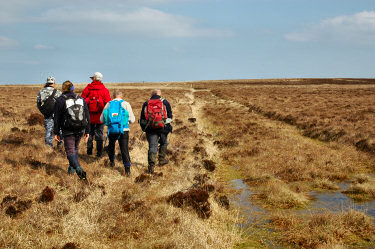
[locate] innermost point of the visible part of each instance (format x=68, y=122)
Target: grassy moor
x=286, y=163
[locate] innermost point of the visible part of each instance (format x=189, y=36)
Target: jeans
x=123, y=140
x=154, y=140
x=96, y=130
x=48, y=125
x=71, y=144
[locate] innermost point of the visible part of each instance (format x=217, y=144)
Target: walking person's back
x=72, y=117
x=45, y=101
x=156, y=118
x=96, y=96
x=117, y=115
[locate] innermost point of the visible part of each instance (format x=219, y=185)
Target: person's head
x=97, y=76
x=117, y=94
x=50, y=81
x=67, y=87
x=156, y=92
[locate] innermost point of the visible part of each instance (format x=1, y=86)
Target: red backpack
x=95, y=101
x=155, y=113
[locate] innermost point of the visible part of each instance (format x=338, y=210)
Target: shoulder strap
x=53, y=93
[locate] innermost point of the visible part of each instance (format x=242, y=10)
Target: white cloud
x=146, y=22
x=43, y=47
x=359, y=28
x=6, y=42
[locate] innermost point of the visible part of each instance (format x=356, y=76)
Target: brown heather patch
x=195, y=198
x=48, y=194
x=209, y=165
x=35, y=119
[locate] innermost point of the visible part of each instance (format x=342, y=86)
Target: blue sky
x=179, y=40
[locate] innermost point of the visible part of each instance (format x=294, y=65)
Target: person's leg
x=80, y=172
x=48, y=125
x=69, y=143
x=90, y=144
x=111, y=148
x=152, y=140
x=163, y=149
x=99, y=139
x=124, y=146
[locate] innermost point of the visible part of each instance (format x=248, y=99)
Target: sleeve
x=58, y=94
x=38, y=101
x=104, y=113
x=58, y=112
x=128, y=107
x=85, y=93
x=143, y=117
x=169, y=109
x=105, y=95
x=87, y=129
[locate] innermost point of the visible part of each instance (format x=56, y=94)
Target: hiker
x=45, y=102
x=72, y=117
x=117, y=115
x=96, y=96
x=156, y=118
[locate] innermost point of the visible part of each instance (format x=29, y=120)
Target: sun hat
x=97, y=76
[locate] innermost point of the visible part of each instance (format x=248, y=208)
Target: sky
x=183, y=40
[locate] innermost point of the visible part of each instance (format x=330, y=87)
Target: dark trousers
x=71, y=144
x=154, y=139
x=96, y=131
x=123, y=140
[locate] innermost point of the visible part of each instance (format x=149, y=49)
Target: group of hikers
x=70, y=117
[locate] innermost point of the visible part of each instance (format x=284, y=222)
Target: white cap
x=97, y=76
x=51, y=80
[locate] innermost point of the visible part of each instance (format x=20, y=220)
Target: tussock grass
x=326, y=230
x=53, y=209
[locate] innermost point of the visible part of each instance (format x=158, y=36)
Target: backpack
x=116, y=117
x=75, y=115
x=95, y=101
x=155, y=113
x=47, y=106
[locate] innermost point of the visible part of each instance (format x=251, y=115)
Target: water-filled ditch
x=322, y=202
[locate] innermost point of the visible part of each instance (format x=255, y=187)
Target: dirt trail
x=196, y=106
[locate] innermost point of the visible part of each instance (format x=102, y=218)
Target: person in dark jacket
x=157, y=136
x=71, y=136
x=96, y=96
x=43, y=95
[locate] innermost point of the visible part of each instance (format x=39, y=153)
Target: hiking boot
x=151, y=162
x=99, y=149
x=112, y=164
x=81, y=173
x=127, y=171
x=162, y=154
x=71, y=170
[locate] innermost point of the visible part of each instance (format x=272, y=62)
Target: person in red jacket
x=96, y=96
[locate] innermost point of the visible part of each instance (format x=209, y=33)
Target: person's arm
x=104, y=113
x=143, y=117
x=86, y=109
x=169, y=109
x=128, y=107
x=58, y=112
x=107, y=96
x=38, y=101
x=85, y=93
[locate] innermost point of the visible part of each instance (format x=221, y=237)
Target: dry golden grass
x=111, y=211
x=326, y=230
x=222, y=130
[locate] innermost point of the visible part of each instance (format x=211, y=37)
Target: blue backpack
x=116, y=117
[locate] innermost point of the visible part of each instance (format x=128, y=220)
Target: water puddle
x=337, y=202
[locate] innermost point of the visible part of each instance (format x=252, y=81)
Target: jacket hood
x=95, y=85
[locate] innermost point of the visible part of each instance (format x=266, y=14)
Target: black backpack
x=75, y=116
x=48, y=105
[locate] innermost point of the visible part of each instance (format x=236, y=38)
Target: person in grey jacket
x=123, y=139
x=43, y=95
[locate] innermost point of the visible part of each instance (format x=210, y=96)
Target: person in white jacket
x=123, y=138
